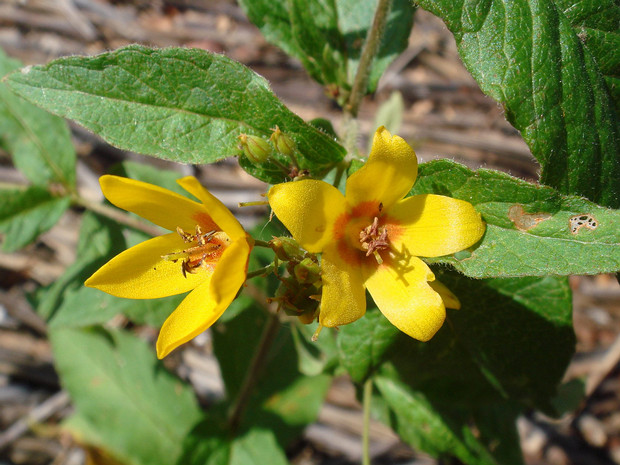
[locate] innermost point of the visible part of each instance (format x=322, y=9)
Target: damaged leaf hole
x=583, y=220
x=525, y=221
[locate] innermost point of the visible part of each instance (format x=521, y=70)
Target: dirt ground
x=446, y=116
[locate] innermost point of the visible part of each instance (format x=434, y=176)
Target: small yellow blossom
x=206, y=253
x=371, y=238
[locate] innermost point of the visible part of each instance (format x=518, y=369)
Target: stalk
x=235, y=414
x=371, y=46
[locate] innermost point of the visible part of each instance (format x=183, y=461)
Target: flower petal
x=434, y=225
x=308, y=209
x=205, y=304
x=141, y=273
x=230, y=272
x=343, y=299
x=449, y=299
x=406, y=298
x=389, y=173
x=194, y=315
x=156, y=204
x=215, y=208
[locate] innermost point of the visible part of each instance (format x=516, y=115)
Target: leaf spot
x=525, y=221
x=583, y=220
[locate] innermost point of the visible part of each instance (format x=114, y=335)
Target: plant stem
x=371, y=46
x=285, y=169
x=259, y=360
x=260, y=271
x=118, y=215
x=294, y=159
x=366, y=431
x=13, y=186
x=340, y=169
x=261, y=243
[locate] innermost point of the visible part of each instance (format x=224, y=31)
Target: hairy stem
x=371, y=46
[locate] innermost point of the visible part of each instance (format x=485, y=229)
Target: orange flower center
x=373, y=238
x=206, y=249
x=366, y=235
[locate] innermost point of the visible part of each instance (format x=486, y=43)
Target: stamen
x=374, y=239
x=195, y=258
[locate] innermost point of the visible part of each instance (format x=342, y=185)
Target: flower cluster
x=370, y=237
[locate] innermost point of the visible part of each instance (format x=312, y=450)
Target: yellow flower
x=371, y=238
x=206, y=253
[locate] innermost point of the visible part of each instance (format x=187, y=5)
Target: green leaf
x=133, y=407
x=40, y=143
x=506, y=324
x=25, y=214
x=67, y=303
x=314, y=357
x=152, y=312
x=497, y=426
x=327, y=37
x=184, y=105
x=426, y=427
x=84, y=306
x=487, y=351
x=437, y=368
x=147, y=173
x=596, y=25
x=67, y=299
x=78, y=306
x=548, y=72
x=284, y=400
x=209, y=444
x=571, y=396
x=362, y=345
x=526, y=225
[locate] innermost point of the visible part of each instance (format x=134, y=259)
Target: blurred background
x=444, y=115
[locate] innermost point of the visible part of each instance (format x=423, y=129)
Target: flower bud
x=287, y=249
x=307, y=271
x=297, y=299
x=255, y=148
x=283, y=143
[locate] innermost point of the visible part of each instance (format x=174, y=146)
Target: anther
x=374, y=239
